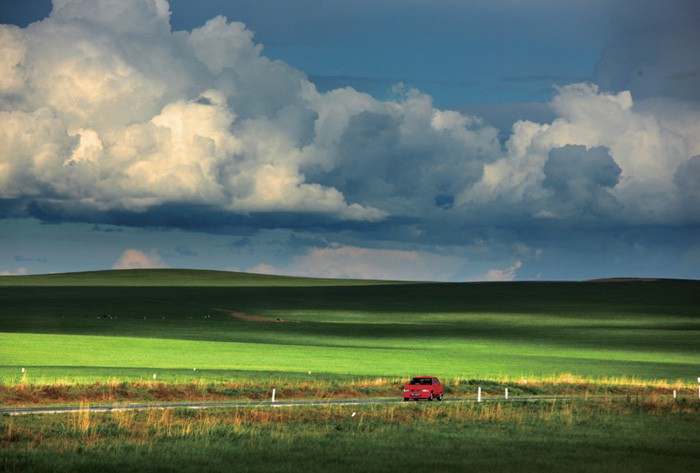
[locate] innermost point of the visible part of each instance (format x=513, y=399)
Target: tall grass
x=80, y=420
x=636, y=434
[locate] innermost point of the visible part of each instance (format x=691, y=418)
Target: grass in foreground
x=642, y=435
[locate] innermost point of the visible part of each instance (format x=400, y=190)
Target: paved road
x=249, y=404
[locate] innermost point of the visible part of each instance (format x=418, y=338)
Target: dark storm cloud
x=409, y=164
x=580, y=179
x=13, y=208
x=653, y=50
x=574, y=168
x=192, y=217
x=687, y=178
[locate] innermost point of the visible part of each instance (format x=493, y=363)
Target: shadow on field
x=630, y=314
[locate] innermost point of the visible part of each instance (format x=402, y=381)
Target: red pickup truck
x=423, y=387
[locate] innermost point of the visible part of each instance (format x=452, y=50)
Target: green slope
x=172, y=277
x=104, y=324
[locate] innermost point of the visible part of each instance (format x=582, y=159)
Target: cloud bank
x=600, y=159
x=107, y=115
x=103, y=107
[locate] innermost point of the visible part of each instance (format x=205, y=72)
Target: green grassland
x=100, y=337
x=129, y=324
x=177, y=278
x=639, y=435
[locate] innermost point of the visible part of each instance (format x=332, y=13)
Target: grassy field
x=128, y=325
x=178, y=278
x=101, y=337
x=639, y=435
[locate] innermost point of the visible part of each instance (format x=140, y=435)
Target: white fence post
x=506, y=394
x=273, y=394
x=478, y=397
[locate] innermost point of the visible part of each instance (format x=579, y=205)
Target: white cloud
x=507, y=274
x=105, y=110
x=104, y=107
x=402, y=156
x=12, y=52
x=646, y=143
x=368, y=263
x=135, y=259
x=115, y=111
x=133, y=17
x=21, y=271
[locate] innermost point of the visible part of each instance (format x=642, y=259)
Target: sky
x=449, y=140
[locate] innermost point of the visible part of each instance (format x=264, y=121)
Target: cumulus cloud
x=402, y=156
x=580, y=178
x=368, y=263
x=135, y=259
x=109, y=116
x=103, y=107
x=507, y=274
x=687, y=178
x=601, y=154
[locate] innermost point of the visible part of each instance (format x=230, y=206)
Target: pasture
x=101, y=337
x=128, y=325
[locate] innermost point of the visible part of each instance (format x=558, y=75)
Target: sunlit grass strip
x=614, y=381
x=449, y=359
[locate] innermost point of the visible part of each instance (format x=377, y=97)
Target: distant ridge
x=212, y=278
x=625, y=279
x=176, y=277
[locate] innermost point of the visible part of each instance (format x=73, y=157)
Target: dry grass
x=116, y=391
x=80, y=420
x=195, y=439
x=88, y=429
x=168, y=423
